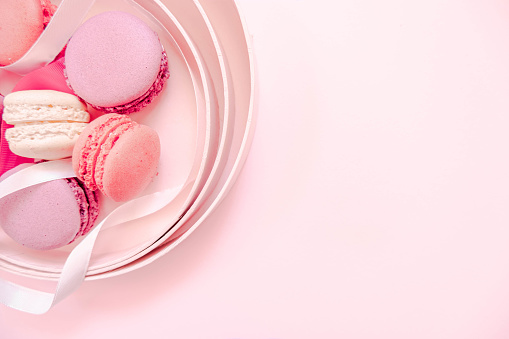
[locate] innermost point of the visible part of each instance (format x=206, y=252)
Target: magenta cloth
x=48, y=77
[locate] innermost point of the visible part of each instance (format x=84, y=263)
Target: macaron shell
x=44, y=141
x=87, y=147
x=41, y=217
x=112, y=59
x=37, y=113
x=104, y=151
x=88, y=204
x=82, y=201
x=37, y=106
x=21, y=23
x=93, y=209
x=43, y=105
x=144, y=100
x=131, y=164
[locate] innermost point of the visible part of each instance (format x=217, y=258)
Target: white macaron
x=46, y=123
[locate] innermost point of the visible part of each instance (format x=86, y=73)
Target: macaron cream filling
x=21, y=132
x=14, y=114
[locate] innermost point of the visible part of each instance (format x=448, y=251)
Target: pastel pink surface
x=113, y=59
x=384, y=210
x=21, y=23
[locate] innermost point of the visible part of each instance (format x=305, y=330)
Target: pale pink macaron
x=116, y=63
x=21, y=24
x=48, y=215
x=117, y=156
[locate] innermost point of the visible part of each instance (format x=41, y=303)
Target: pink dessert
x=117, y=156
x=49, y=77
x=21, y=24
x=116, y=63
x=48, y=215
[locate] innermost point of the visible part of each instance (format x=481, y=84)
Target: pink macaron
x=116, y=155
x=21, y=24
x=48, y=215
x=116, y=63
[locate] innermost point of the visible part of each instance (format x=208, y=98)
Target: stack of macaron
x=115, y=64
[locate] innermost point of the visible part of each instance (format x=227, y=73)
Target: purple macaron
x=48, y=215
x=116, y=63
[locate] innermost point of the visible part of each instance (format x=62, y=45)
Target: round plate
x=183, y=114
x=210, y=53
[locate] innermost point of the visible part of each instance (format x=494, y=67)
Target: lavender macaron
x=48, y=215
x=116, y=63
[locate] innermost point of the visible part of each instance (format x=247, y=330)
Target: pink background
x=373, y=203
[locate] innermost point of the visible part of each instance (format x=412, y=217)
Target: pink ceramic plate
x=222, y=137
x=183, y=115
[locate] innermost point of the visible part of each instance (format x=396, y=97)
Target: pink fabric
x=48, y=77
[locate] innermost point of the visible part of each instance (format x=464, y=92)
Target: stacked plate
x=204, y=118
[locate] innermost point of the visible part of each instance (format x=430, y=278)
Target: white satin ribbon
x=76, y=265
x=36, y=174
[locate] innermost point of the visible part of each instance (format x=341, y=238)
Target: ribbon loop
x=76, y=265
